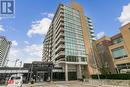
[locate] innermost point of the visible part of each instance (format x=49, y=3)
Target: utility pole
x=31, y=72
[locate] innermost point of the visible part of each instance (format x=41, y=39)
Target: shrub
x=113, y=76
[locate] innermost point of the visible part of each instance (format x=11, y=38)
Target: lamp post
x=5, y=69
x=118, y=71
x=20, y=63
x=51, y=67
x=6, y=62
x=16, y=62
x=31, y=72
x=20, y=66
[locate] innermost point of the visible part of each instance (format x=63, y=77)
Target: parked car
x=15, y=80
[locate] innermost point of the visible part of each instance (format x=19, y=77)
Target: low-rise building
x=114, y=52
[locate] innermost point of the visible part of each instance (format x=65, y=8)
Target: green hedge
x=113, y=76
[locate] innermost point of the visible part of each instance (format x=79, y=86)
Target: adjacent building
x=4, y=49
x=68, y=42
x=114, y=52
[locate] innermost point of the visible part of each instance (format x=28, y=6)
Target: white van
x=15, y=80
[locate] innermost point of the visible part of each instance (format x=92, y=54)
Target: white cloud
x=34, y=50
x=125, y=15
x=14, y=43
x=100, y=35
x=50, y=15
x=1, y=28
x=26, y=54
x=14, y=54
x=26, y=42
x=39, y=27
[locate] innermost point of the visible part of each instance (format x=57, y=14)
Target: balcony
x=60, y=55
x=91, y=27
x=60, y=41
x=57, y=23
x=61, y=30
x=90, y=24
x=58, y=28
x=61, y=35
x=93, y=35
x=92, y=31
x=94, y=38
x=60, y=47
x=58, y=16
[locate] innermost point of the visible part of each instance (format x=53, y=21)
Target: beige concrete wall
x=76, y=6
x=125, y=31
x=119, y=61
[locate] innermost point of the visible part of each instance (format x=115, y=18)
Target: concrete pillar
x=66, y=72
x=79, y=72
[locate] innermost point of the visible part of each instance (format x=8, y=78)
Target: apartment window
x=72, y=58
x=123, y=66
x=118, y=40
x=119, y=53
x=83, y=59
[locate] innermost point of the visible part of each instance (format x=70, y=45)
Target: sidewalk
x=67, y=84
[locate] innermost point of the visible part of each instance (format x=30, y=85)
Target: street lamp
x=20, y=63
x=20, y=66
x=16, y=62
x=31, y=72
x=6, y=62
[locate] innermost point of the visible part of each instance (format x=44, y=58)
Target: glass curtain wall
x=74, y=44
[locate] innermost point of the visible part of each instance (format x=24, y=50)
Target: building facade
x=68, y=41
x=4, y=49
x=117, y=49
x=120, y=49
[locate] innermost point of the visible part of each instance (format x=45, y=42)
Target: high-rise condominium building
x=4, y=49
x=68, y=41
